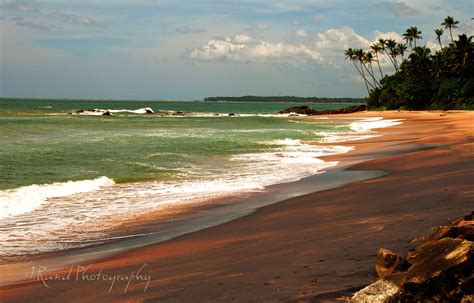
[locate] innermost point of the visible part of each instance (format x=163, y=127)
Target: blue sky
x=163, y=49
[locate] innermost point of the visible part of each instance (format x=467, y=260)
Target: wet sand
x=316, y=247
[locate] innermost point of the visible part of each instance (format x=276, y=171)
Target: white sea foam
x=360, y=130
x=81, y=213
x=100, y=112
x=368, y=124
x=71, y=208
x=27, y=198
x=140, y=111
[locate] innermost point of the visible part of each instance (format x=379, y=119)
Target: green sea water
x=66, y=180
x=40, y=143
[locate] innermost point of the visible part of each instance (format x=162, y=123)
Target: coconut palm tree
x=464, y=50
x=368, y=59
x=359, y=54
x=401, y=48
x=439, y=32
x=376, y=49
x=350, y=54
x=450, y=23
x=390, y=46
x=408, y=37
x=416, y=34
x=419, y=60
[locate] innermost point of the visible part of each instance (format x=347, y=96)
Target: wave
x=102, y=112
x=28, y=198
x=368, y=124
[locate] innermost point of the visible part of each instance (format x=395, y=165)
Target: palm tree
x=391, y=45
x=408, y=37
x=376, y=49
x=411, y=35
x=439, y=32
x=401, y=48
x=350, y=54
x=359, y=54
x=450, y=23
x=368, y=59
x=416, y=34
x=420, y=60
x=464, y=50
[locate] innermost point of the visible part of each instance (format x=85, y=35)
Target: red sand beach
x=315, y=247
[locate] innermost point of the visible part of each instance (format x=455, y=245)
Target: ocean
x=70, y=180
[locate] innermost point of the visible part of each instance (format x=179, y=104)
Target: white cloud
x=241, y=39
x=228, y=50
x=300, y=33
x=340, y=38
x=388, y=35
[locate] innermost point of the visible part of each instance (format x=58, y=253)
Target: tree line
x=422, y=79
x=289, y=99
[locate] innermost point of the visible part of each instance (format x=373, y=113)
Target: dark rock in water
x=302, y=110
x=389, y=262
x=178, y=113
x=440, y=270
x=231, y=114
x=107, y=113
x=306, y=110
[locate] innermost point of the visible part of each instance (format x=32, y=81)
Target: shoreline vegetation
x=286, y=99
x=423, y=78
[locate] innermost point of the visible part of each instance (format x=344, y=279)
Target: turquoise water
x=66, y=180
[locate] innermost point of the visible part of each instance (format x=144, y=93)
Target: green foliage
x=285, y=99
x=426, y=80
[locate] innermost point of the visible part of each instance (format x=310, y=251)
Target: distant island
x=287, y=99
x=423, y=79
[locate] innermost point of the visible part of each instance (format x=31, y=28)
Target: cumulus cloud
x=20, y=5
x=300, y=33
x=190, y=30
x=388, y=35
x=73, y=19
x=262, y=27
x=250, y=51
x=399, y=9
x=340, y=38
x=241, y=39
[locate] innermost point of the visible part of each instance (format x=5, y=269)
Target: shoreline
x=235, y=242
x=159, y=226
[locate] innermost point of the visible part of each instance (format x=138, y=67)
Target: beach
x=315, y=247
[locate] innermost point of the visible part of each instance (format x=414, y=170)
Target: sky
x=185, y=50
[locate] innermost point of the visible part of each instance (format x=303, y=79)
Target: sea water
x=66, y=179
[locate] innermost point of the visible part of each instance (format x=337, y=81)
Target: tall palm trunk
x=361, y=72
x=390, y=57
x=378, y=63
x=451, y=34
x=376, y=83
x=371, y=74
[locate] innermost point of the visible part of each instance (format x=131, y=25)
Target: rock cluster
x=439, y=270
x=306, y=110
